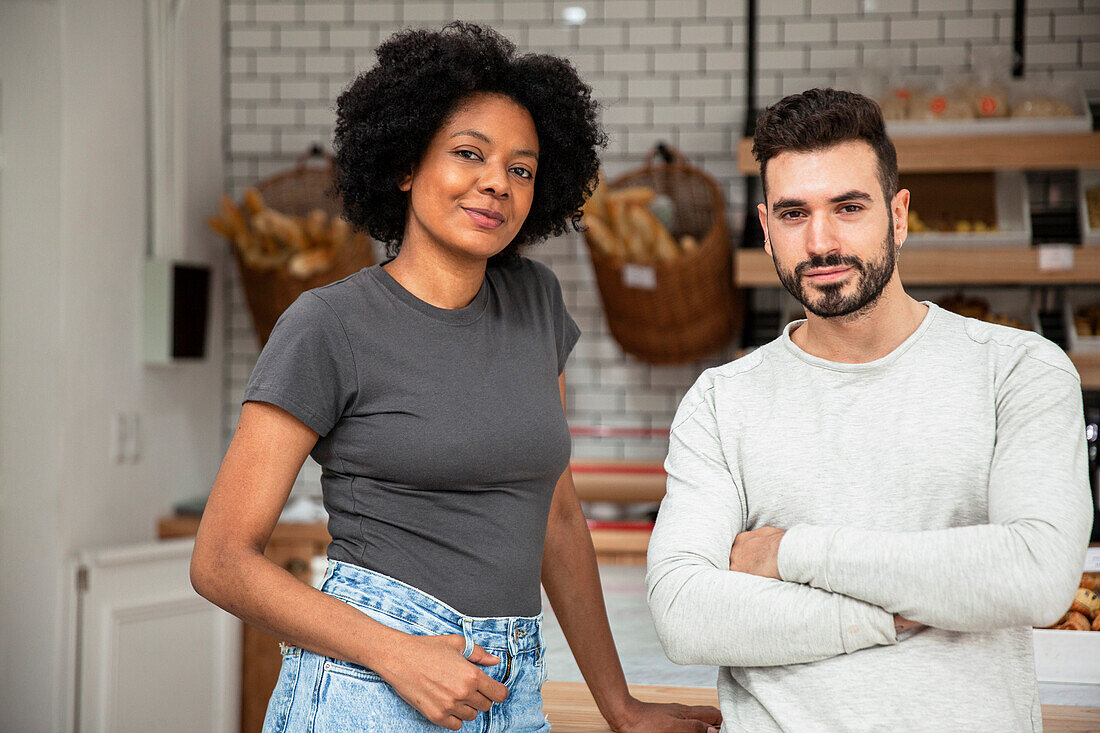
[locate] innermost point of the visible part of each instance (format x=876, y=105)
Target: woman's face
x=472, y=190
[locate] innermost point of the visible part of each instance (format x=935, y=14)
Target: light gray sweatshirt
x=946, y=482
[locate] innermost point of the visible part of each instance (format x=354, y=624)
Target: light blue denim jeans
x=317, y=694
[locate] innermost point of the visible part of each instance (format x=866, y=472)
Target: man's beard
x=832, y=303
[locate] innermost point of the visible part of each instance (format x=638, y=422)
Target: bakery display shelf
x=955, y=266
x=948, y=153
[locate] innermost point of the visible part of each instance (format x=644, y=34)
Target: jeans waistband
x=390, y=597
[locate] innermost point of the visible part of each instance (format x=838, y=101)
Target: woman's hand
x=430, y=673
x=652, y=717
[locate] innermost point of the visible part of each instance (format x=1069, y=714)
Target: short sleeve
x=566, y=330
x=307, y=367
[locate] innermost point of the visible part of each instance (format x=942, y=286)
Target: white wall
x=72, y=241
x=670, y=70
x=30, y=350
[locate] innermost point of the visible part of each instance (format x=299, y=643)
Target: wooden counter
x=571, y=709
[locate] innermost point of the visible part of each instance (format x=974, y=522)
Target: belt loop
x=329, y=570
x=513, y=637
x=468, y=633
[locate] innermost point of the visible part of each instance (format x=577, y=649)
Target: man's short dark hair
x=821, y=118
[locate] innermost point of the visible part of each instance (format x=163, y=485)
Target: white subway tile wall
x=670, y=70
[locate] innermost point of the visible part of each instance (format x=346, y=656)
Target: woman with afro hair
x=430, y=390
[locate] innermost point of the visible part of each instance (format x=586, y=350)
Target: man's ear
x=899, y=212
x=762, y=212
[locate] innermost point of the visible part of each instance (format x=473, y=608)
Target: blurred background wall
x=671, y=70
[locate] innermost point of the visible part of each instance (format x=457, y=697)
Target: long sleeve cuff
x=803, y=555
x=863, y=625
x=803, y=558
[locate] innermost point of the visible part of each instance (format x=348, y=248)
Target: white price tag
x=641, y=277
x=1092, y=560
x=1055, y=256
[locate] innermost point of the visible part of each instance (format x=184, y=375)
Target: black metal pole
x=753, y=235
x=1018, y=38
x=750, y=69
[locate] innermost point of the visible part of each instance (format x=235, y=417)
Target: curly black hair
x=389, y=114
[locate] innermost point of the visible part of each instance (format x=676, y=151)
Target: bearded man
x=865, y=517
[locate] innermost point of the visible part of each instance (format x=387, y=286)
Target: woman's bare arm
x=229, y=569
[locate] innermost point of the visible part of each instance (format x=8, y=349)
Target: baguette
x=596, y=205
x=633, y=195
x=339, y=233
x=304, y=265
x=253, y=201
x=603, y=238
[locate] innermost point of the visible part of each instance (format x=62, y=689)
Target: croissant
x=1075, y=622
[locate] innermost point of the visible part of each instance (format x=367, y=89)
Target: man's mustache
x=833, y=260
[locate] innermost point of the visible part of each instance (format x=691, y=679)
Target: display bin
x=1069, y=656
x=993, y=197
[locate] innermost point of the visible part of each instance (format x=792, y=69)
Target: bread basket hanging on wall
x=300, y=194
x=676, y=302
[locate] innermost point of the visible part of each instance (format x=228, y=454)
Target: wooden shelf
x=621, y=482
x=934, y=267
x=942, y=154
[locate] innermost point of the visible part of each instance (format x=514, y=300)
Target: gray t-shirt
x=946, y=482
x=442, y=431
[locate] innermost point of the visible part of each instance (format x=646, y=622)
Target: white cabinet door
x=152, y=655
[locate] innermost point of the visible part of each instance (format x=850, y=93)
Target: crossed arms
x=841, y=586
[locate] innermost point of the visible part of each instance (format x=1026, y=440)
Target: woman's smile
x=485, y=218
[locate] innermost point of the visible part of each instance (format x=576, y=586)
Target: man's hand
x=757, y=552
x=903, y=625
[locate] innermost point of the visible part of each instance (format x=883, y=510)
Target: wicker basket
x=296, y=192
x=684, y=309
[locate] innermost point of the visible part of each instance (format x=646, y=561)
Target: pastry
x=1085, y=602
x=1075, y=622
